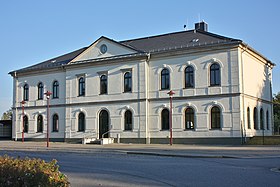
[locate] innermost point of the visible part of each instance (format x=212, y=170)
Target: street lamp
x=22, y=134
x=48, y=94
x=170, y=93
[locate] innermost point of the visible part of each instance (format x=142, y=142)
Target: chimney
x=202, y=26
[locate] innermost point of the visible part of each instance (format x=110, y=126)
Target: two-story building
x=119, y=89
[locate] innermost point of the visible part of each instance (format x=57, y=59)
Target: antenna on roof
x=187, y=25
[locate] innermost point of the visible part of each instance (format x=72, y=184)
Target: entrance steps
x=102, y=141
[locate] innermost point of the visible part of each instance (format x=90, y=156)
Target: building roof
x=176, y=40
x=54, y=62
x=164, y=42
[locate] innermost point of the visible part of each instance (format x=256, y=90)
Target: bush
x=30, y=172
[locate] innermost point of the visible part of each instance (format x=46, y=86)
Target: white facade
x=245, y=82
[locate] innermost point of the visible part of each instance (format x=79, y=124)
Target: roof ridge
x=160, y=35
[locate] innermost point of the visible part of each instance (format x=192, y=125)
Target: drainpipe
x=243, y=127
x=148, y=140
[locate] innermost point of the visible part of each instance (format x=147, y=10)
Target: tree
x=7, y=115
x=276, y=110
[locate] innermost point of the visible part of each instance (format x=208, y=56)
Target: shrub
x=30, y=172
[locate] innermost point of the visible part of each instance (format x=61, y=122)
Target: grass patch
x=30, y=172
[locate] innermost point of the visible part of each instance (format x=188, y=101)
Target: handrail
x=105, y=133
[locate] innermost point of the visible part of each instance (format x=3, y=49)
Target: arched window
x=165, y=119
x=40, y=123
x=189, y=77
x=26, y=92
x=81, y=122
x=81, y=86
x=55, y=89
x=25, y=121
x=189, y=118
x=127, y=82
x=248, y=118
x=267, y=120
x=165, y=79
x=255, y=118
x=128, y=120
x=103, y=84
x=215, y=118
x=215, y=75
x=40, y=91
x=262, y=119
x=55, y=123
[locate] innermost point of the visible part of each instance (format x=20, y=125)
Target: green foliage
x=30, y=172
x=276, y=110
x=7, y=115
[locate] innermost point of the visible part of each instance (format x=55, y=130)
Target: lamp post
x=170, y=93
x=48, y=94
x=22, y=106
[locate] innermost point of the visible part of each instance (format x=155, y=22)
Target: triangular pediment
x=102, y=48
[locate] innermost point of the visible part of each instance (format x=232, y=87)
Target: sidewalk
x=177, y=150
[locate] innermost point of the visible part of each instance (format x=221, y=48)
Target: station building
x=119, y=89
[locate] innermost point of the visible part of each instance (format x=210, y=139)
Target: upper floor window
x=215, y=118
x=255, y=118
x=189, y=118
x=26, y=92
x=81, y=122
x=127, y=82
x=55, y=123
x=215, y=75
x=82, y=86
x=128, y=120
x=40, y=91
x=165, y=79
x=55, y=89
x=103, y=84
x=165, y=119
x=189, y=77
x=248, y=118
x=40, y=123
x=25, y=125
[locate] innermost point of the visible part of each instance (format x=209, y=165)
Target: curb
x=180, y=156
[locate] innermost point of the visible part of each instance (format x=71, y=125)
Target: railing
x=105, y=134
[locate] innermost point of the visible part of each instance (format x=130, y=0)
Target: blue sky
x=32, y=31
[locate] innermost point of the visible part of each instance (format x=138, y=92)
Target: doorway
x=103, y=124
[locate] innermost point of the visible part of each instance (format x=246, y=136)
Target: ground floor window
x=189, y=119
x=215, y=118
x=165, y=119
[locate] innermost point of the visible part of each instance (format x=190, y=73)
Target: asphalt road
x=113, y=168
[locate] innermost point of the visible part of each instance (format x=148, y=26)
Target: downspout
x=243, y=125
x=148, y=140
x=15, y=99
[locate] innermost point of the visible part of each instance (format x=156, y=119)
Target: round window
x=103, y=48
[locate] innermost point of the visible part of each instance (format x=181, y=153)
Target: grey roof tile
x=176, y=40
x=54, y=62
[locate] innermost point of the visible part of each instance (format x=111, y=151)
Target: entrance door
x=103, y=124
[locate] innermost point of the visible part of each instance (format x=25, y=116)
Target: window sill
x=215, y=85
x=188, y=88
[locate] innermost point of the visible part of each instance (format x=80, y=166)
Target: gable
x=112, y=48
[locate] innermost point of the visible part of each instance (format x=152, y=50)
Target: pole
x=48, y=113
x=22, y=134
x=48, y=94
x=170, y=121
